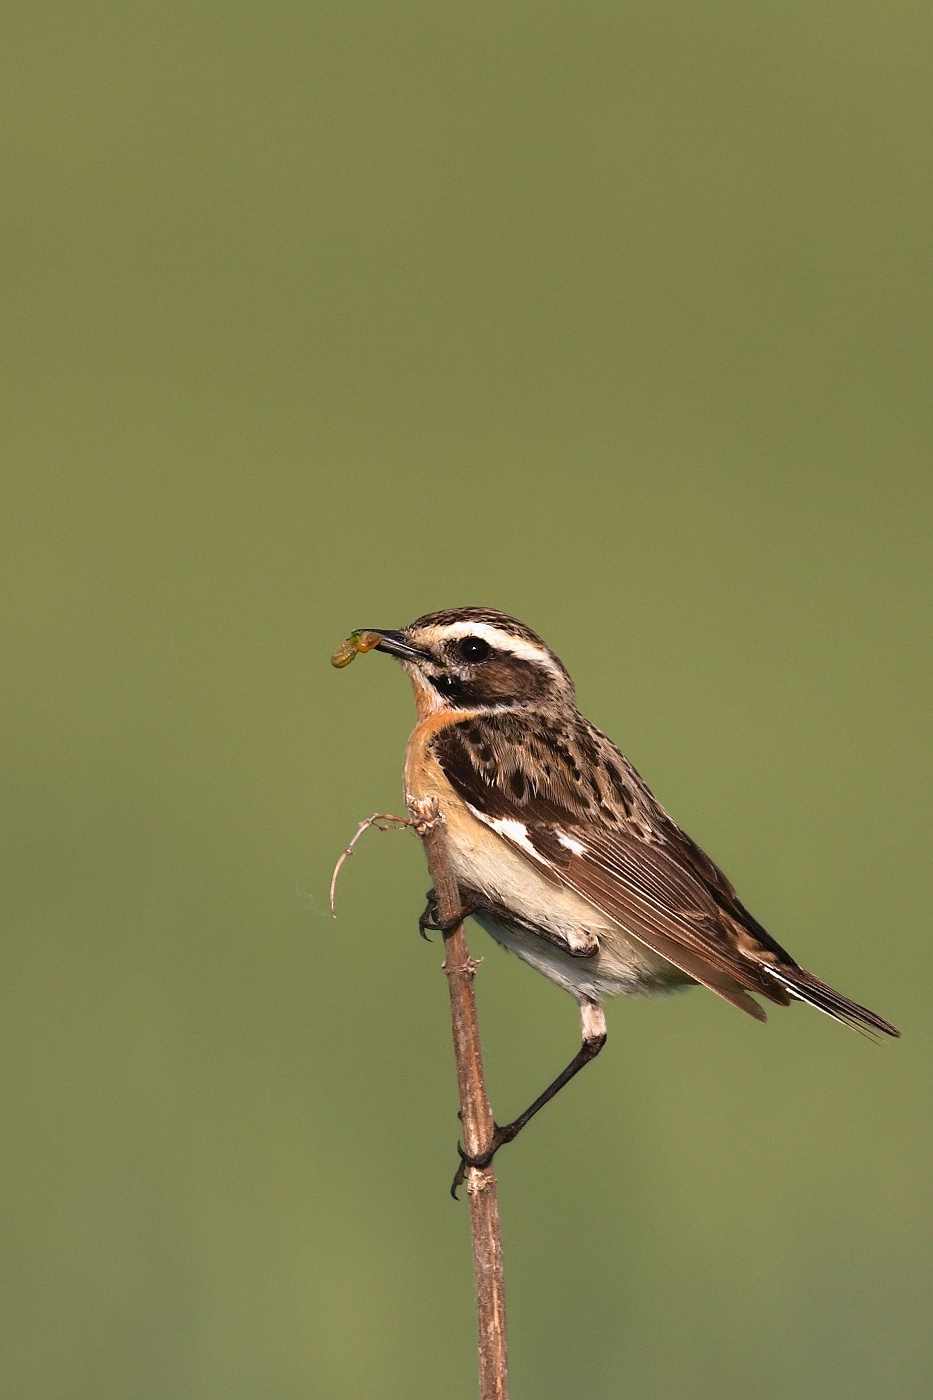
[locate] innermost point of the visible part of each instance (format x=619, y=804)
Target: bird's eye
x=474, y=649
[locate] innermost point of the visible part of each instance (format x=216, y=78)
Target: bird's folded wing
x=648, y=897
x=657, y=885
x=641, y=885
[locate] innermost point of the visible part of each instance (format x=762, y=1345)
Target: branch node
x=425, y=814
x=467, y=968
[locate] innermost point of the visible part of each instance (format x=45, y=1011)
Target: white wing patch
x=515, y=830
x=512, y=830
x=577, y=848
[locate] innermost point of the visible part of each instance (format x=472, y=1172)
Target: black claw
x=429, y=919
x=459, y=1174
x=482, y=1159
x=446, y=925
x=500, y=1137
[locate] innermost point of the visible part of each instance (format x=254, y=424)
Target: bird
x=560, y=850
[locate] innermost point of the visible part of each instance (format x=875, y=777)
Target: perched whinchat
x=560, y=850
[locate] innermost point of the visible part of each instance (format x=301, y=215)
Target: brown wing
x=626, y=857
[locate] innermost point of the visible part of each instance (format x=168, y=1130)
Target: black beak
x=395, y=644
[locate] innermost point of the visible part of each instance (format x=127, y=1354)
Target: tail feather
x=805, y=987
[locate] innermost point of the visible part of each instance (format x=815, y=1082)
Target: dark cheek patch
x=513, y=679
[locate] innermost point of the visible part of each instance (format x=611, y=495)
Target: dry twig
x=475, y=1113
x=382, y=821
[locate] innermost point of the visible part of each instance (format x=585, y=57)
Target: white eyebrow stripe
x=497, y=637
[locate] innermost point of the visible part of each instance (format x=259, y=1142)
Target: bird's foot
x=429, y=919
x=500, y=1136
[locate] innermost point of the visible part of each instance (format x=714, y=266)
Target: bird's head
x=477, y=659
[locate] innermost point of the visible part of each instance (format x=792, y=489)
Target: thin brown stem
x=475, y=1113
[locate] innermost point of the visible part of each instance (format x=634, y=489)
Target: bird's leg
x=429, y=919
x=593, y=1025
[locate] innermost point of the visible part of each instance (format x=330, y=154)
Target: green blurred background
x=320, y=316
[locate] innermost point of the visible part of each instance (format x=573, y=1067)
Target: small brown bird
x=560, y=850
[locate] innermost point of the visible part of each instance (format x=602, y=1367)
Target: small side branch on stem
x=382, y=821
